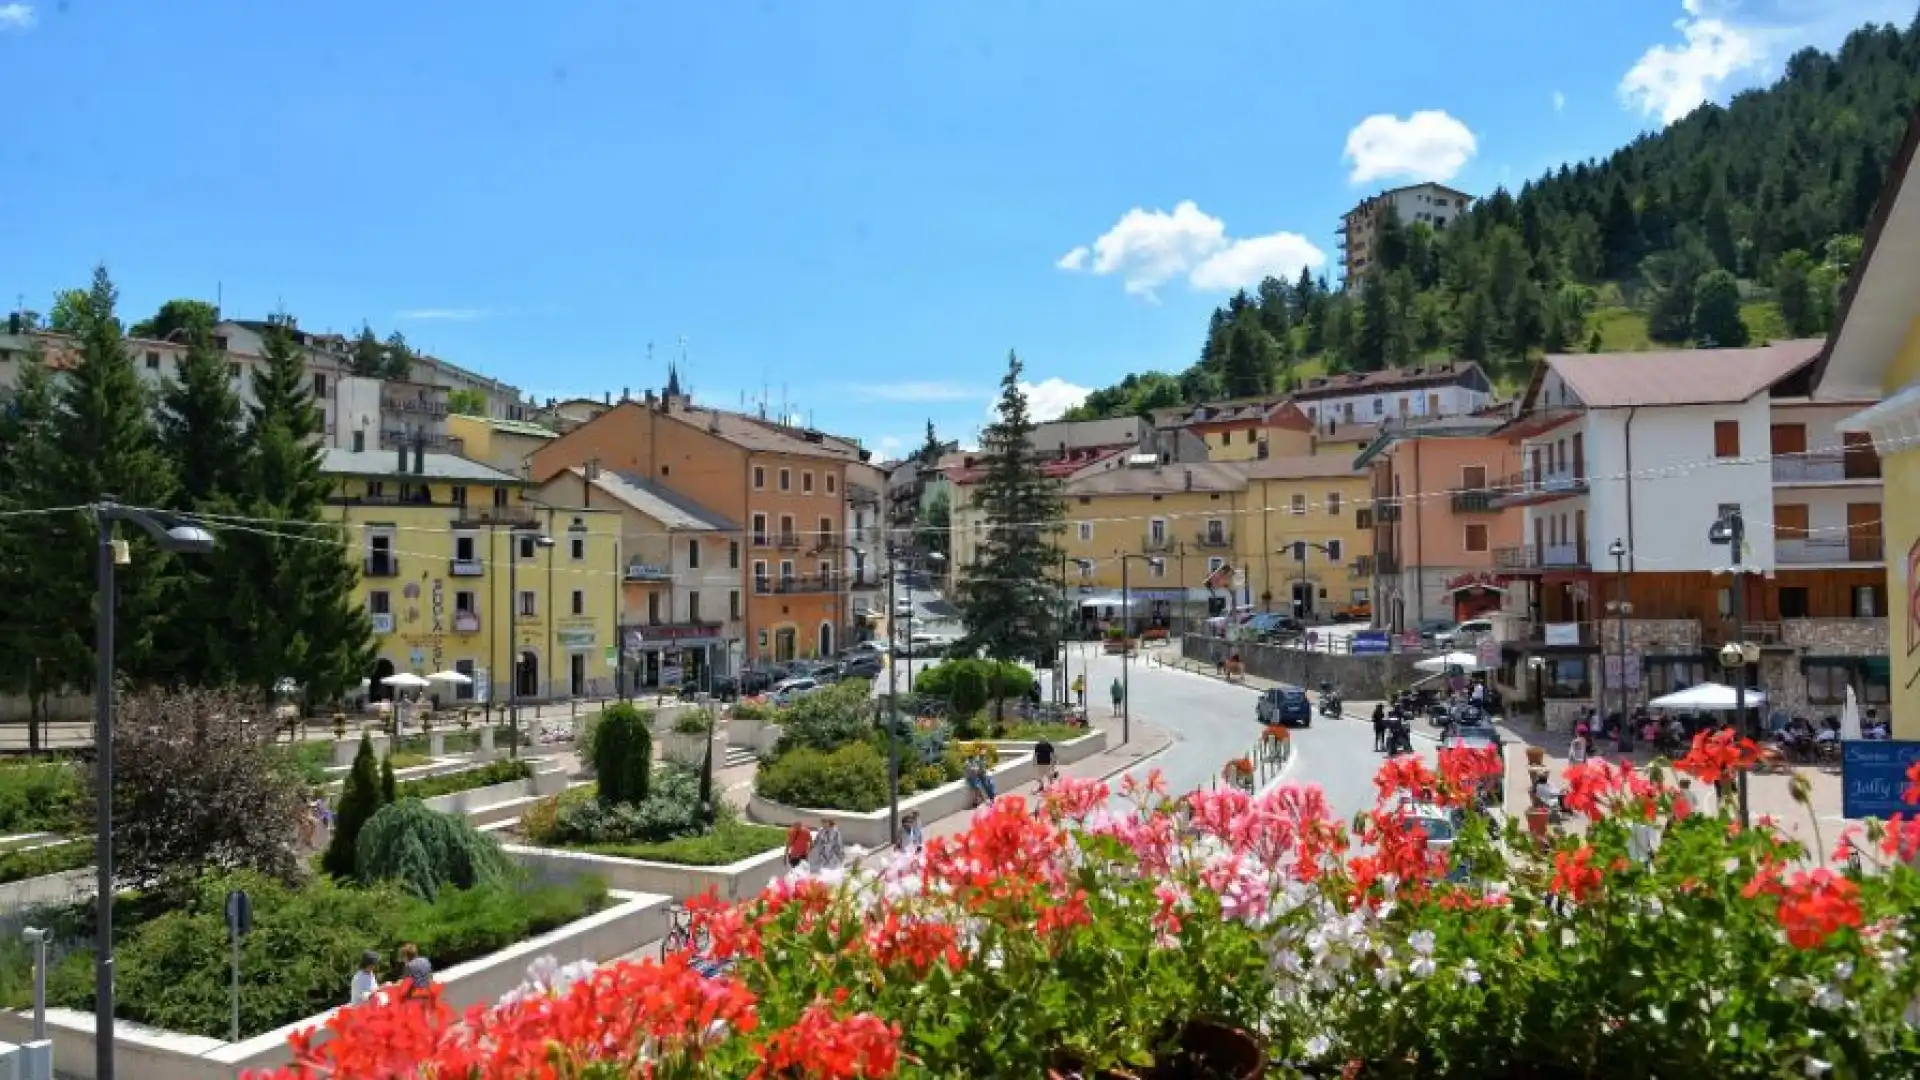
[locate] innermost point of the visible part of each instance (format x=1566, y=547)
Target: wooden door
x=1860, y=461
x=1790, y=521
x=1863, y=533
x=1579, y=527
x=1539, y=541
x=1533, y=477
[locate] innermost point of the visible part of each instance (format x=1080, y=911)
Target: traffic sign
x=239, y=913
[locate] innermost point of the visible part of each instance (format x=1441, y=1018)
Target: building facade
x=454, y=578
x=1305, y=544
x=1249, y=431
x=1173, y=527
x=504, y=444
x=1454, y=388
x=1432, y=204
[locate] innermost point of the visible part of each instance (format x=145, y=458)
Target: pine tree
x=1620, y=233
x=1006, y=601
x=1248, y=369
x=389, y=783
x=34, y=621
x=398, y=365
x=369, y=356
x=1370, y=346
x=1716, y=311
x=930, y=450
x=360, y=799
x=1793, y=292
x=104, y=444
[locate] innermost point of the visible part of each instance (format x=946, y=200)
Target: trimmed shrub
x=827, y=718
x=389, y=784
x=672, y=810
x=360, y=799
x=424, y=851
x=852, y=777
x=494, y=772
x=623, y=754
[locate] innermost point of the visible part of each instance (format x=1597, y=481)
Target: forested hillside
x=1734, y=225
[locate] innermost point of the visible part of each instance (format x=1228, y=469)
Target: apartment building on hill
x=1435, y=205
x=1649, y=450
x=1454, y=388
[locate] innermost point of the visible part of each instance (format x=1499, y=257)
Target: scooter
x=1330, y=703
x=1399, y=737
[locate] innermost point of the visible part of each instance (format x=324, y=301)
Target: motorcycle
x=1329, y=704
x=1399, y=737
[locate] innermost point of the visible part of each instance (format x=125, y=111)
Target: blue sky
x=858, y=206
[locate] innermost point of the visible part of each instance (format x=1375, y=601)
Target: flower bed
x=1659, y=941
x=494, y=772
x=869, y=828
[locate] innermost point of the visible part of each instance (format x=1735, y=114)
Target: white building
x=1376, y=397
x=1435, y=205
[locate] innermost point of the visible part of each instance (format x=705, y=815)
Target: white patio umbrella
x=1850, y=718
x=1709, y=696
x=406, y=680
x=452, y=678
x=1465, y=661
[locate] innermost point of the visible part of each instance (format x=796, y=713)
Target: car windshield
x=1438, y=829
x=1293, y=696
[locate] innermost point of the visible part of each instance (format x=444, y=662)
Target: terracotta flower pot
x=1536, y=755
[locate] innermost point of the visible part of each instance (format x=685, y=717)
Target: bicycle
x=682, y=934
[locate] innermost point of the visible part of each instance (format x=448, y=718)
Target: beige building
x=1434, y=205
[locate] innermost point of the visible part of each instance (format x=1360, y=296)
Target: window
x=1298, y=504
x=1476, y=538
x=1791, y=521
x=1473, y=478
x=786, y=479
x=733, y=604
x=825, y=538
x=380, y=602
x=1869, y=601
x=831, y=483
x=693, y=607
x=1086, y=531
x=759, y=575
x=579, y=602
x=1827, y=684
x=1363, y=518
x=1157, y=568
x=693, y=554
x=826, y=570
x=1726, y=438
x=806, y=482
x=319, y=384
x=1214, y=563
x=759, y=530
x=1157, y=531
x=526, y=546
x=577, y=546
x=759, y=478
x=153, y=360
x=459, y=494
x=1216, y=531
x=464, y=600
x=786, y=570
x=233, y=370
x=733, y=554
x=500, y=497
x=1333, y=504
x=787, y=535
x=1333, y=551
x=1793, y=602
x=463, y=547
x=1379, y=406
x=529, y=603
x=653, y=608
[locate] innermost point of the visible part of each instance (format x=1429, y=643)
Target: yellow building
x=503, y=444
x=1874, y=352
x=1306, y=543
x=445, y=543
x=1173, y=526
x=1250, y=430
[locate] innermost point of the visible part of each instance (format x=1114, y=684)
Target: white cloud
x=445, y=314
x=1047, y=399
x=888, y=446
x=16, y=17
x=1148, y=248
x=1559, y=101
x=1427, y=145
x=1728, y=44
x=914, y=391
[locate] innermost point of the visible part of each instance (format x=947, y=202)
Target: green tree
x=1716, y=311
x=424, y=851
x=1006, y=601
x=1376, y=330
x=360, y=799
x=389, y=783
x=931, y=448
x=1674, y=275
x=1390, y=250
x=934, y=526
x=397, y=363
x=29, y=415
x=69, y=313
x=623, y=755
x=369, y=356
x=1793, y=292
x=177, y=316
x=1475, y=333
x=462, y=401
x=1249, y=370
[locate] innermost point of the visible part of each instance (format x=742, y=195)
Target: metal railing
x=1527, y=485
x=1150, y=542
x=1214, y=538
x=466, y=568
x=380, y=566
x=1815, y=550
x=1825, y=467
x=1269, y=758
x=1473, y=501
x=466, y=622
x=807, y=583
x=1541, y=557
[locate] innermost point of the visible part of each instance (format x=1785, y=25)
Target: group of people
x=416, y=974
x=821, y=848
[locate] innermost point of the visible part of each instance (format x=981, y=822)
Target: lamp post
x=539, y=540
x=1731, y=532
x=895, y=556
x=1126, y=617
x=181, y=539
x=1620, y=606
x=1066, y=610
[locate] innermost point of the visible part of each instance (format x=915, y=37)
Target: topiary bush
x=852, y=777
x=389, y=783
x=574, y=818
x=360, y=799
x=623, y=754
x=424, y=851
x=827, y=718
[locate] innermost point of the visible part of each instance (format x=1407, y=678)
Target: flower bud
x=1801, y=788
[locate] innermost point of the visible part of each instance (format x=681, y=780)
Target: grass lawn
x=409, y=760
x=45, y=859
x=1621, y=330
x=729, y=843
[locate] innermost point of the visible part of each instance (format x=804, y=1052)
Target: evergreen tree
x=1376, y=329
x=1716, y=311
x=398, y=362
x=360, y=799
x=369, y=356
x=28, y=415
x=1476, y=327
x=1620, y=233
x=1006, y=601
x=1717, y=229
x=104, y=444
x=1867, y=182
x=1674, y=275
x=1390, y=249
x=389, y=783
x=930, y=450
x=1402, y=309
x=1248, y=371
x=1793, y=292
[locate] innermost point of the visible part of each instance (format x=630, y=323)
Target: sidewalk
x=1149, y=740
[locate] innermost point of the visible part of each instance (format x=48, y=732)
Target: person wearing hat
x=365, y=981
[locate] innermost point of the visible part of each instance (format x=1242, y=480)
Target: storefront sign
x=1371, y=643
x=654, y=637
x=575, y=639
x=1873, y=777
x=1476, y=579
x=1562, y=633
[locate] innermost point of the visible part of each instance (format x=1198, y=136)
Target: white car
x=903, y=607
x=788, y=691
x=1467, y=633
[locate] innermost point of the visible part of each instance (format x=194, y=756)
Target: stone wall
x=1359, y=678
x=1837, y=637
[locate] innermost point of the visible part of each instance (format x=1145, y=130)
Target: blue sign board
x=1873, y=777
x=1371, y=643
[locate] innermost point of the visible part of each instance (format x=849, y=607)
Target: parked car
x=792, y=690
x=861, y=667
x=1471, y=736
x=754, y=681
x=1358, y=611
x=1272, y=628
x=1436, y=631
x=902, y=607
x=1285, y=705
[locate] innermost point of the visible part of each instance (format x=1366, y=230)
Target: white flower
x=1817, y=1068
x=1421, y=967
x=1829, y=998
x=1318, y=1046
x=1421, y=942
x=1470, y=972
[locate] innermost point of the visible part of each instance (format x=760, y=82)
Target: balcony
x=829, y=542
x=1525, y=487
x=1162, y=542
x=380, y=566
x=466, y=622
x=1541, y=557
x=419, y=405
x=1361, y=567
x=790, y=541
x=762, y=540
x=1214, y=539
x=1386, y=563
x=1473, y=501
x=647, y=572
x=808, y=583
x=1828, y=551
x=1386, y=511
x=1828, y=467
x=466, y=568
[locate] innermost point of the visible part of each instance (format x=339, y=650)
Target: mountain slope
x=1733, y=225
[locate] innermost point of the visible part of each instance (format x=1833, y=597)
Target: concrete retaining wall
x=64, y=887
x=151, y=1054
x=1359, y=678
x=738, y=881
x=542, y=783
x=1065, y=753
x=870, y=829
x=759, y=736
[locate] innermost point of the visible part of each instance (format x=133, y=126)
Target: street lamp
x=1730, y=531
x=1621, y=608
x=539, y=540
x=1060, y=631
x=895, y=555
x=180, y=539
x=1126, y=616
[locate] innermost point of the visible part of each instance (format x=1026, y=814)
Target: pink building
x=1435, y=522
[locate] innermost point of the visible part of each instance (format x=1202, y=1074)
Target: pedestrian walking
x=1379, y=726
x=1043, y=762
x=1080, y=690
x=416, y=970
x=828, y=851
x=799, y=842
x=912, y=837
x=1119, y=695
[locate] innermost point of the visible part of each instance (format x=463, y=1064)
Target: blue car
x=1286, y=705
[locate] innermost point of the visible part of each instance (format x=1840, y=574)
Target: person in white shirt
x=365, y=982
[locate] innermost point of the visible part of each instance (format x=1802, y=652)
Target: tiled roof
x=973, y=467
x=1373, y=382
x=761, y=436
x=1681, y=376
x=1274, y=412
x=1163, y=480
x=1318, y=467
x=386, y=463
x=669, y=508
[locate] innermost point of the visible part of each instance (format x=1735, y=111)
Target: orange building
x=786, y=485
x=1435, y=525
